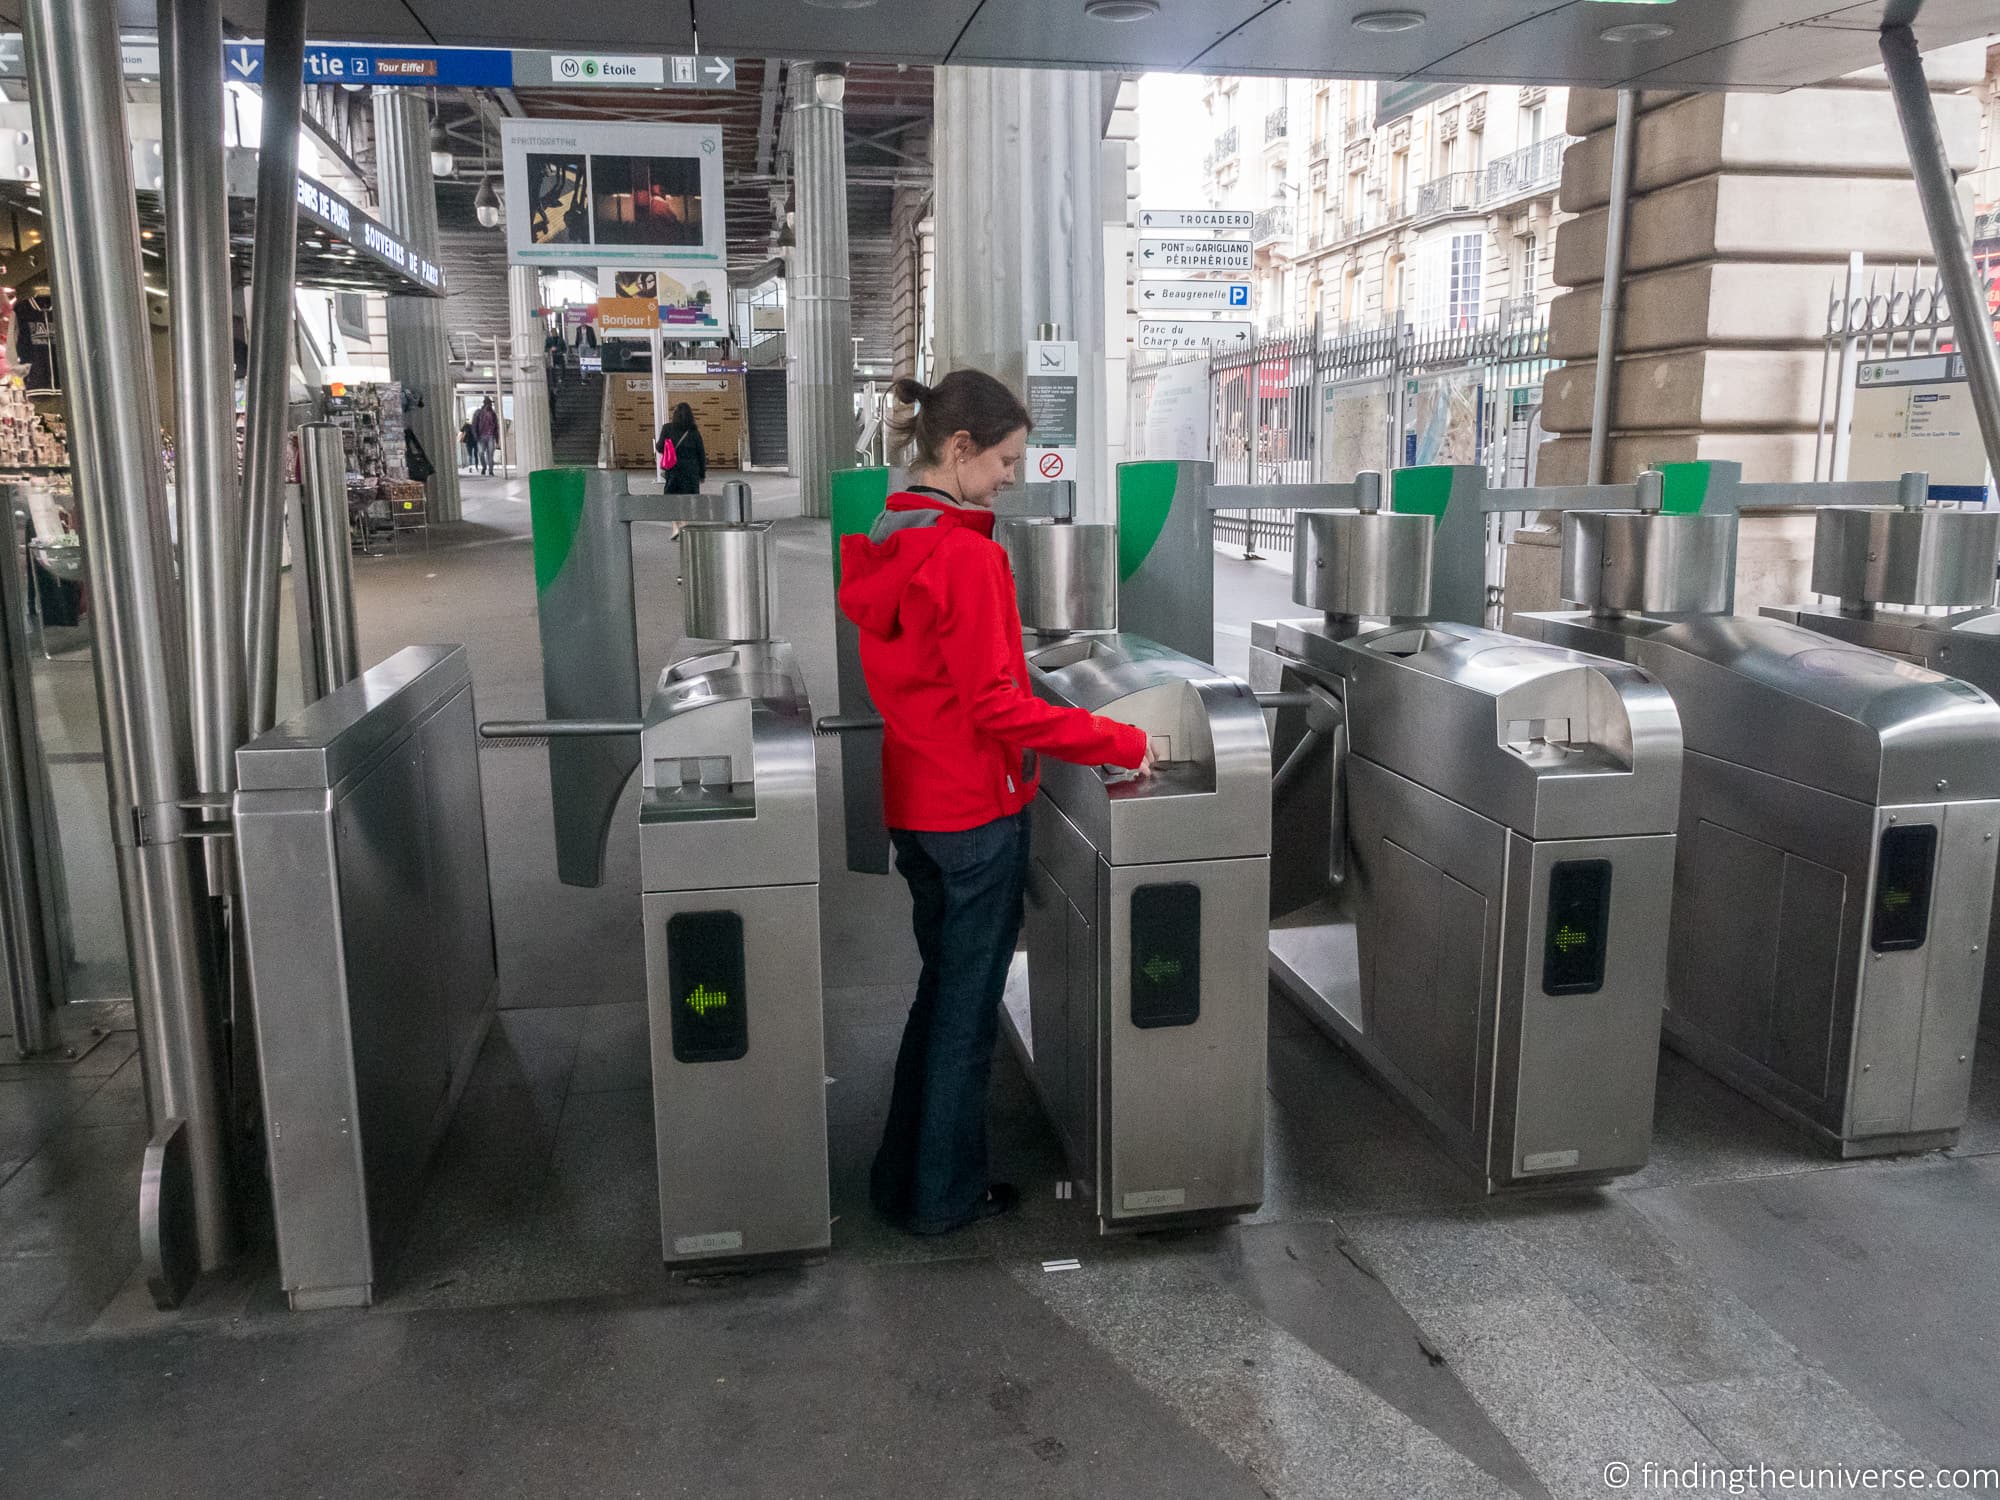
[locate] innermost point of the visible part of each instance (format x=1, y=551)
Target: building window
x=1475, y=141
x=1357, y=197
x=1529, y=270
x=1399, y=181
x=1450, y=273
x=1350, y=292
x=1533, y=126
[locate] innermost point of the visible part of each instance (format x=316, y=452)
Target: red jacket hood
x=876, y=569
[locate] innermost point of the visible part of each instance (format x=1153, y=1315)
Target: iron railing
x=1528, y=170
x=1276, y=124
x=1455, y=192
x=1225, y=145
x=1273, y=223
x=1322, y=147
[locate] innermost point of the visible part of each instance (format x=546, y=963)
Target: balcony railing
x=1455, y=192
x=1275, y=125
x=1526, y=171
x=1274, y=223
x=1322, y=146
x=1225, y=145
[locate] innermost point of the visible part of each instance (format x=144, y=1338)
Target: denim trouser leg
x=966, y=890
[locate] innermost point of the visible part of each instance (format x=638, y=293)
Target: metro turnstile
x=1487, y=826
x=1887, y=566
x=728, y=851
x=1140, y=1009
x=1834, y=878
x=729, y=861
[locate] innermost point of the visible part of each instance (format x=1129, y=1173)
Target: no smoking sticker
x=1051, y=465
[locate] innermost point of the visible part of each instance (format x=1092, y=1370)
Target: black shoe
x=999, y=1198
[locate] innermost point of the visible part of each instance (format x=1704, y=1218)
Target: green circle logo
x=590, y=68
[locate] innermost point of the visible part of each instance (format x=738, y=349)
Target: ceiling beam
x=767, y=113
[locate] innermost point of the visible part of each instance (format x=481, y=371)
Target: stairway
x=576, y=420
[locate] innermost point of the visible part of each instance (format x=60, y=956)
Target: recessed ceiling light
x=1121, y=10
x=1636, y=31
x=1388, y=22
x=840, y=4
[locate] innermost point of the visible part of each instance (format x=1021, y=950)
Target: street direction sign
x=1196, y=218
x=650, y=70
x=1168, y=333
x=1166, y=296
x=1162, y=253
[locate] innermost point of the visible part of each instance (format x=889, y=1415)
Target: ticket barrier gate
x=1889, y=567
x=1472, y=857
x=728, y=850
x=1834, y=875
x=1139, y=1007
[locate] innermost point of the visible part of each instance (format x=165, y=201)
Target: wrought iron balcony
x=1225, y=145
x=1455, y=192
x=1275, y=125
x=1529, y=170
x=1273, y=223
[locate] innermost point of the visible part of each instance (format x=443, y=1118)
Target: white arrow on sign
x=719, y=68
x=1164, y=296
x=1158, y=333
x=243, y=62
x=1196, y=218
x=1157, y=253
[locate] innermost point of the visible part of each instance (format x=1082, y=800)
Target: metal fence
x=1312, y=406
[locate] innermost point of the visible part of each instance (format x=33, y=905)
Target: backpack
x=669, y=455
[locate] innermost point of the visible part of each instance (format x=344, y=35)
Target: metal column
x=1020, y=238
x=323, y=565
x=211, y=520
x=30, y=964
x=533, y=446
x=78, y=97
x=418, y=356
x=819, y=353
x=268, y=387
x=1605, y=377
x=1949, y=236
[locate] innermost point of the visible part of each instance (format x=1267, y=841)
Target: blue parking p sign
x=1239, y=296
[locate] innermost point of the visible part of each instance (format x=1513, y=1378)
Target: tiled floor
x=1377, y=1329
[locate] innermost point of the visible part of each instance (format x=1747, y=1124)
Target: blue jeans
x=965, y=891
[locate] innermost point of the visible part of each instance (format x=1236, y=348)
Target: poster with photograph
x=686, y=304
x=613, y=194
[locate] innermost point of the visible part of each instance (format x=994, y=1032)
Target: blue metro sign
x=451, y=67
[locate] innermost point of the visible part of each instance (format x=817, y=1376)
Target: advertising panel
x=683, y=304
x=614, y=194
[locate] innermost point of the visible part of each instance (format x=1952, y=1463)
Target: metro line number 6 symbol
x=1050, y=465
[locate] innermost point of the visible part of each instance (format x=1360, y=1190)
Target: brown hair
x=968, y=401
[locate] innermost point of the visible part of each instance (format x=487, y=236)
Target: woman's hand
x=1146, y=765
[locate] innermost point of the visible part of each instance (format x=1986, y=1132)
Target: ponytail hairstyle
x=968, y=401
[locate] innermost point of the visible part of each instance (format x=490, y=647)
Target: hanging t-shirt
x=36, y=319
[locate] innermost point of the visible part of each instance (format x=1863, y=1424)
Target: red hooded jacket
x=941, y=649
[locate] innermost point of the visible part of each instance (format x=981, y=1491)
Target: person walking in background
x=469, y=444
x=485, y=433
x=683, y=459
x=941, y=651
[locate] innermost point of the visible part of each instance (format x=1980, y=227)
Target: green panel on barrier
x=1145, y=497
x=555, y=506
x=1686, y=487
x=857, y=499
x=1424, y=491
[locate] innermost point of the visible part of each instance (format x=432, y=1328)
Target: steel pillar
x=819, y=351
x=418, y=353
x=1950, y=238
x=534, y=448
x=78, y=98
x=211, y=519
x=323, y=565
x=1624, y=145
x=268, y=385
x=1020, y=237
x=30, y=958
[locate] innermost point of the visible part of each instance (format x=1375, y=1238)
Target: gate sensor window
x=1166, y=955
x=1579, y=918
x=705, y=978
x=1903, y=887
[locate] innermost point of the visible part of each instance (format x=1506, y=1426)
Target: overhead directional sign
x=1196, y=218
x=453, y=67
x=1166, y=333
x=139, y=56
x=336, y=62
x=1159, y=253
x=686, y=70
x=1166, y=296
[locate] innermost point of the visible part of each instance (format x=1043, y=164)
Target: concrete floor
x=1376, y=1330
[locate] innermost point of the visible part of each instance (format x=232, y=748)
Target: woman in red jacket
x=941, y=648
